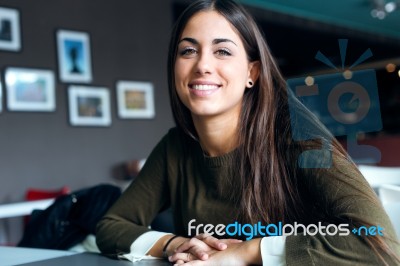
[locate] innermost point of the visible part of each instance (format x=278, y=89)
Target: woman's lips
x=203, y=89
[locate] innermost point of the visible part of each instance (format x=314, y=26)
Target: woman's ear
x=253, y=74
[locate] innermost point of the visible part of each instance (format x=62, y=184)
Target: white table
x=46, y=257
x=14, y=255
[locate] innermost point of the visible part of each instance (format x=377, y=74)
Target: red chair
x=40, y=194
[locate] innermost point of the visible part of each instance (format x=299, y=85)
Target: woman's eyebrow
x=191, y=40
x=219, y=40
x=215, y=41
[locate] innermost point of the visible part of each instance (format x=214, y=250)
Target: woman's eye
x=223, y=52
x=188, y=51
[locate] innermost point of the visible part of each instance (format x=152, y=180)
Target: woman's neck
x=217, y=135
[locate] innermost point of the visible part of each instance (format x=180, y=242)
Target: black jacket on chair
x=70, y=219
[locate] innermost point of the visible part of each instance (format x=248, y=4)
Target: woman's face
x=211, y=67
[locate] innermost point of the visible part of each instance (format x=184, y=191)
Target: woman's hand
x=199, y=248
x=236, y=254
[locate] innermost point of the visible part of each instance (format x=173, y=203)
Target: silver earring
x=250, y=83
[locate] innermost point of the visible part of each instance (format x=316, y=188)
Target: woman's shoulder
x=178, y=136
x=174, y=141
x=174, y=132
x=174, y=149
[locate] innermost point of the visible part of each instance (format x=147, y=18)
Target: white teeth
x=204, y=87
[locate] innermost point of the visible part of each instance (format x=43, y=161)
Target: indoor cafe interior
x=84, y=99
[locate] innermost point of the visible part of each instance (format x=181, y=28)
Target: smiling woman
x=231, y=162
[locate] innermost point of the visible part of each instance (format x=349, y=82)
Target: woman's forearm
x=251, y=252
x=157, y=249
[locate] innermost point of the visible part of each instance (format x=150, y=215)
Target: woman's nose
x=204, y=64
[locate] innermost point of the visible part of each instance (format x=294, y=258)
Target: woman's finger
x=231, y=241
x=198, y=252
x=212, y=241
x=193, y=242
x=181, y=257
x=190, y=263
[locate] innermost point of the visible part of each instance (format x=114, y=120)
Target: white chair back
x=393, y=211
x=386, y=181
x=389, y=193
x=379, y=175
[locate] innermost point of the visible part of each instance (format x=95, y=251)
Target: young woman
x=232, y=158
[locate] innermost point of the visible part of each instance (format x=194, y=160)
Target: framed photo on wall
x=30, y=89
x=74, y=60
x=135, y=99
x=10, y=32
x=89, y=106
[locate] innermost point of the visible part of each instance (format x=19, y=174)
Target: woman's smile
x=203, y=88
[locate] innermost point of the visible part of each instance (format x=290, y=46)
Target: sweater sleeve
x=133, y=212
x=141, y=246
x=344, y=194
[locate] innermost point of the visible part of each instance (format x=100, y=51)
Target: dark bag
x=70, y=219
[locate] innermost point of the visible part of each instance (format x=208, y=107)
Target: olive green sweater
x=178, y=175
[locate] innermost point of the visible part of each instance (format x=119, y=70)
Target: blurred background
x=129, y=41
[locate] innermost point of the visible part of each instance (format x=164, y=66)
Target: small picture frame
x=30, y=89
x=89, y=106
x=74, y=59
x=10, y=31
x=135, y=99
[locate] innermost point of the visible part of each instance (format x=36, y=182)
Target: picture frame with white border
x=135, y=100
x=74, y=56
x=30, y=89
x=10, y=30
x=89, y=106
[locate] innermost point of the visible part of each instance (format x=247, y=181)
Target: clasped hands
x=204, y=249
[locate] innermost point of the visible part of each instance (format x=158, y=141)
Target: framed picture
x=74, y=60
x=30, y=89
x=89, y=106
x=10, y=35
x=135, y=99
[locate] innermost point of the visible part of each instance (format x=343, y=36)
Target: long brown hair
x=267, y=154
